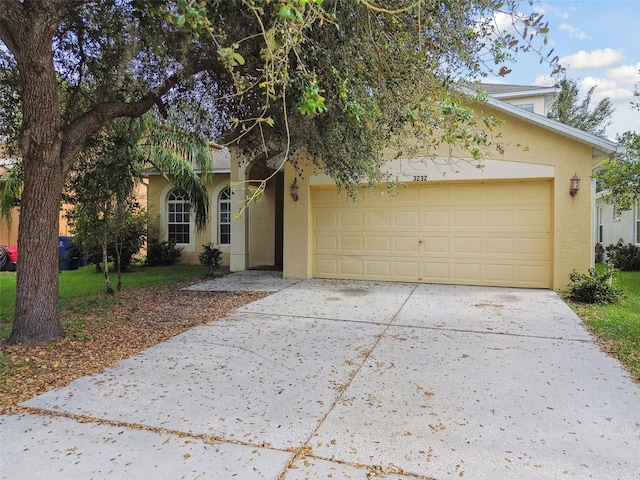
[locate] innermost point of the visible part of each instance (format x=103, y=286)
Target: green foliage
x=623, y=256
x=569, y=110
x=210, y=257
x=595, y=287
x=162, y=253
x=130, y=239
x=620, y=176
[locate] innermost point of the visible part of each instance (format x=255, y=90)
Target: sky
x=598, y=42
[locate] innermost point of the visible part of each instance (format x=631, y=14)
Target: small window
x=526, y=106
x=616, y=214
x=224, y=217
x=179, y=217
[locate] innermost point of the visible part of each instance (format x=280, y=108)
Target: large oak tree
x=340, y=79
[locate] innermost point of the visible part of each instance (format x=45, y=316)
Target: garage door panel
x=532, y=274
x=533, y=247
x=379, y=269
x=405, y=270
x=404, y=245
x=326, y=244
x=466, y=245
x=499, y=218
x=436, y=272
x=325, y=218
x=435, y=218
x=533, y=219
x=503, y=246
x=470, y=195
x=379, y=219
x=466, y=272
x=434, y=245
x=351, y=219
x=463, y=219
x=326, y=267
x=409, y=219
x=351, y=243
x=378, y=244
x=435, y=195
x=502, y=274
x=496, y=233
x=351, y=267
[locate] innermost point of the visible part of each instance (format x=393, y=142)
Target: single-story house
x=524, y=220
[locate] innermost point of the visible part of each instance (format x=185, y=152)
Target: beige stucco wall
x=298, y=227
x=540, y=106
x=157, y=191
x=529, y=152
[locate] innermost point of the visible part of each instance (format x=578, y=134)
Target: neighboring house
x=511, y=223
x=9, y=229
x=612, y=225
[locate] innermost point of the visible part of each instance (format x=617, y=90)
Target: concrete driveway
x=348, y=380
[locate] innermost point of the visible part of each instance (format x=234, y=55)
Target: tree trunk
x=36, y=313
x=105, y=265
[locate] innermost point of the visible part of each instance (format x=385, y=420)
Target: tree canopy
x=620, y=176
x=569, y=110
x=340, y=79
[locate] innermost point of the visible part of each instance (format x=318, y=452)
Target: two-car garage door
x=475, y=233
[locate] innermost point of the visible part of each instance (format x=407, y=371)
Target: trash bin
x=12, y=254
x=64, y=247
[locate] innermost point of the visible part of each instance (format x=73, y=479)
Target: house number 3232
x=419, y=178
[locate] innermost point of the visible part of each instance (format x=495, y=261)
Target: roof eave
x=601, y=146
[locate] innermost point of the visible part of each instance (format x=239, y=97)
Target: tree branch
x=78, y=132
x=11, y=17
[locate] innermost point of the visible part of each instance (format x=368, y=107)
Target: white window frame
x=179, y=208
x=616, y=214
x=224, y=217
x=529, y=107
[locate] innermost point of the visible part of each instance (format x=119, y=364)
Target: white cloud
x=573, y=31
x=627, y=74
x=605, y=88
x=583, y=60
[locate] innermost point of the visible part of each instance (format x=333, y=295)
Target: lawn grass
x=84, y=289
x=618, y=325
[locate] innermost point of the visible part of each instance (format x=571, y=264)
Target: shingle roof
x=498, y=88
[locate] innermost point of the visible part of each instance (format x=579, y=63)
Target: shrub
x=623, y=256
x=594, y=287
x=599, y=253
x=210, y=257
x=162, y=253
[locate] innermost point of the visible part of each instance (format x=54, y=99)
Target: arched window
x=179, y=217
x=224, y=217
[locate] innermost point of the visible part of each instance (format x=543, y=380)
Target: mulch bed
x=100, y=339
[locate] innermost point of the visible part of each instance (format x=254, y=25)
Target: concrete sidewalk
x=343, y=379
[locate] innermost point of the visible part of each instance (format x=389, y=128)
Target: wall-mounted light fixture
x=294, y=190
x=574, y=185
